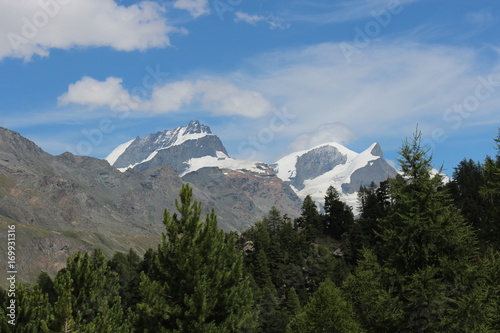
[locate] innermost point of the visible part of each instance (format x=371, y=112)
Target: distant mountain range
x=309, y=172
x=65, y=203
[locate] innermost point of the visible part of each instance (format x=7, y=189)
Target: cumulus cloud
x=109, y=93
x=218, y=97
x=196, y=8
x=33, y=27
x=334, y=132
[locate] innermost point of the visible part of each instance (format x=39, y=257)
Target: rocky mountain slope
x=311, y=172
x=62, y=204
x=194, y=147
x=174, y=147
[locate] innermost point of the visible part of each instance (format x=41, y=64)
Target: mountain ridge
x=65, y=203
x=308, y=172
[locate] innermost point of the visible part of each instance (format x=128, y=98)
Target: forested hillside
x=422, y=256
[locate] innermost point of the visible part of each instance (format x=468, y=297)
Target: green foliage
x=420, y=266
x=127, y=267
x=338, y=217
x=373, y=296
x=310, y=219
x=427, y=256
x=87, y=296
x=47, y=286
x=197, y=283
x=33, y=313
x=327, y=311
x=374, y=204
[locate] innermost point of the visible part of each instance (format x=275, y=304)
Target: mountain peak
x=376, y=150
x=172, y=146
x=194, y=127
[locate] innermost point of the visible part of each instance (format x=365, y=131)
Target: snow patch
x=222, y=161
x=149, y=158
x=118, y=151
x=341, y=174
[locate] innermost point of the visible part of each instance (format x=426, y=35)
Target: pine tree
x=127, y=266
x=33, y=311
x=198, y=283
x=47, y=286
x=87, y=296
x=338, y=217
x=327, y=311
x=310, y=219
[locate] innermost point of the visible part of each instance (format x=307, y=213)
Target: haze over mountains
x=65, y=203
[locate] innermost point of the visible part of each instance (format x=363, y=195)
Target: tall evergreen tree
x=490, y=192
x=33, y=311
x=327, y=311
x=379, y=308
x=198, y=283
x=427, y=251
x=338, y=217
x=310, y=220
x=87, y=296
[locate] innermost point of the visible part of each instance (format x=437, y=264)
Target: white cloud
x=224, y=98
x=216, y=96
x=196, y=8
x=383, y=93
x=247, y=18
x=325, y=133
x=108, y=93
x=33, y=27
x=172, y=96
x=253, y=19
x=344, y=11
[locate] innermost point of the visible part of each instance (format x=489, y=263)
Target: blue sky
x=269, y=77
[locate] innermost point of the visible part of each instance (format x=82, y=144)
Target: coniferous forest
x=422, y=256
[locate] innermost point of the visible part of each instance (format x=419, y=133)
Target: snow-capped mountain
x=191, y=149
x=199, y=157
x=173, y=147
x=186, y=148
x=312, y=171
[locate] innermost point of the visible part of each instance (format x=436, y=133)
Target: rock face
x=62, y=204
x=173, y=147
x=311, y=172
x=315, y=163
